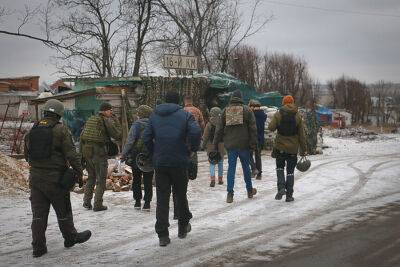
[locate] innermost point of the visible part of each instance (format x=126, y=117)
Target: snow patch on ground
x=343, y=184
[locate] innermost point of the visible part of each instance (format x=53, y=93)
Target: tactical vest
x=139, y=146
x=94, y=130
x=287, y=126
x=41, y=140
x=234, y=115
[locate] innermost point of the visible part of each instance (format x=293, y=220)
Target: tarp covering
x=324, y=115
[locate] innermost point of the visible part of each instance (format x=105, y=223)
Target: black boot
x=79, y=238
x=280, y=194
x=137, y=204
x=164, y=241
x=39, y=252
x=99, y=208
x=289, y=197
x=87, y=206
x=183, y=230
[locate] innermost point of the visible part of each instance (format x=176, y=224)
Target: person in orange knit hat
x=289, y=139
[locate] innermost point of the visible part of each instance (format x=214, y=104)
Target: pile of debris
x=359, y=133
x=119, y=177
x=13, y=175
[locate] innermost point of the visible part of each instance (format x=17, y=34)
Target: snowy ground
x=347, y=181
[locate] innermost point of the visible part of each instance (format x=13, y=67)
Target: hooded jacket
x=171, y=135
x=240, y=136
x=289, y=144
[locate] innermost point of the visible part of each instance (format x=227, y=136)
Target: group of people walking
x=170, y=136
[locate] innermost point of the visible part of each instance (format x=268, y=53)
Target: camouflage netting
x=155, y=89
x=311, y=130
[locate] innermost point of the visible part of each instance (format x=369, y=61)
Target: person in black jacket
x=170, y=137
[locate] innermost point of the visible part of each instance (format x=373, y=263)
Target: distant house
x=15, y=92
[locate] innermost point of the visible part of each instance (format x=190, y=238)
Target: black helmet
x=214, y=157
x=54, y=106
x=304, y=164
x=143, y=161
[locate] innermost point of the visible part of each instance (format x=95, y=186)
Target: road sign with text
x=180, y=62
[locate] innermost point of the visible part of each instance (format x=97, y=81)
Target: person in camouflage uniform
x=49, y=150
x=238, y=132
x=98, y=129
x=290, y=140
x=311, y=131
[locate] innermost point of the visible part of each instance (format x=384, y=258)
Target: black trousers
x=42, y=196
x=166, y=179
x=290, y=160
x=255, y=160
x=137, y=184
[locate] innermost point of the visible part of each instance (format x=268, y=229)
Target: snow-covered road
x=347, y=181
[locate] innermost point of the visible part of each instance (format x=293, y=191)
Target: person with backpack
x=289, y=139
x=238, y=131
x=97, y=132
x=49, y=150
x=208, y=137
x=133, y=147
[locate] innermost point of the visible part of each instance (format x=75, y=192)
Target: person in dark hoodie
x=290, y=137
x=170, y=137
x=260, y=117
x=134, y=145
x=238, y=132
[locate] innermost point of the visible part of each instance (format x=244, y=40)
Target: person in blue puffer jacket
x=170, y=137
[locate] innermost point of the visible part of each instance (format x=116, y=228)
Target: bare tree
x=287, y=74
x=352, y=95
x=245, y=65
x=233, y=29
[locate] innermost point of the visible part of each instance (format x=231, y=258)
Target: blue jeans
x=220, y=169
x=244, y=156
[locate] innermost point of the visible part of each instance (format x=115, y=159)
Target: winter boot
x=212, y=182
x=79, y=238
x=183, y=230
x=146, y=206
x=99, y=208
x=39, y=252
x=258, y=177
x=137, y=204
x=87, y=206
x=229, y=197
x=164, y=241
x=289, y=197
x=280, y=194
x=220, y=181
x=251, y=193
x=254, y=173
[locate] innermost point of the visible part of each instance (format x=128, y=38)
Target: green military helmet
x=304, y=164
x=215, y=112
x=144, y=111
x=55, y=106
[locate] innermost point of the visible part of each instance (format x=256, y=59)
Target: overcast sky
x=358, y=38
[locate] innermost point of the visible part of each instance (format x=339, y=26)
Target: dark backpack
x=139, y=146
x=287, y=126
x=41, y=140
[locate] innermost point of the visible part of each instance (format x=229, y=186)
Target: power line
x=333, y=10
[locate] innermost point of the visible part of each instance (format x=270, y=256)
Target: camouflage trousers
x=96, y=165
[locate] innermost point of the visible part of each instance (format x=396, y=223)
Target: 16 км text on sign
x=180, y=62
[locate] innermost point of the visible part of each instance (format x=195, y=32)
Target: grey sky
x=333, y=42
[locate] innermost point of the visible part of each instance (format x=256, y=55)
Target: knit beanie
x=105, y=106
x=172, y=97
x=237, y=93
x=288, y=99
x=144, y=111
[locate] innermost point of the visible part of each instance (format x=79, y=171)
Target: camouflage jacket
x=237, y=129
x=63, y=153
x=289, y=144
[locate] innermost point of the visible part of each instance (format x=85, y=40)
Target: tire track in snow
x=282, y=229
